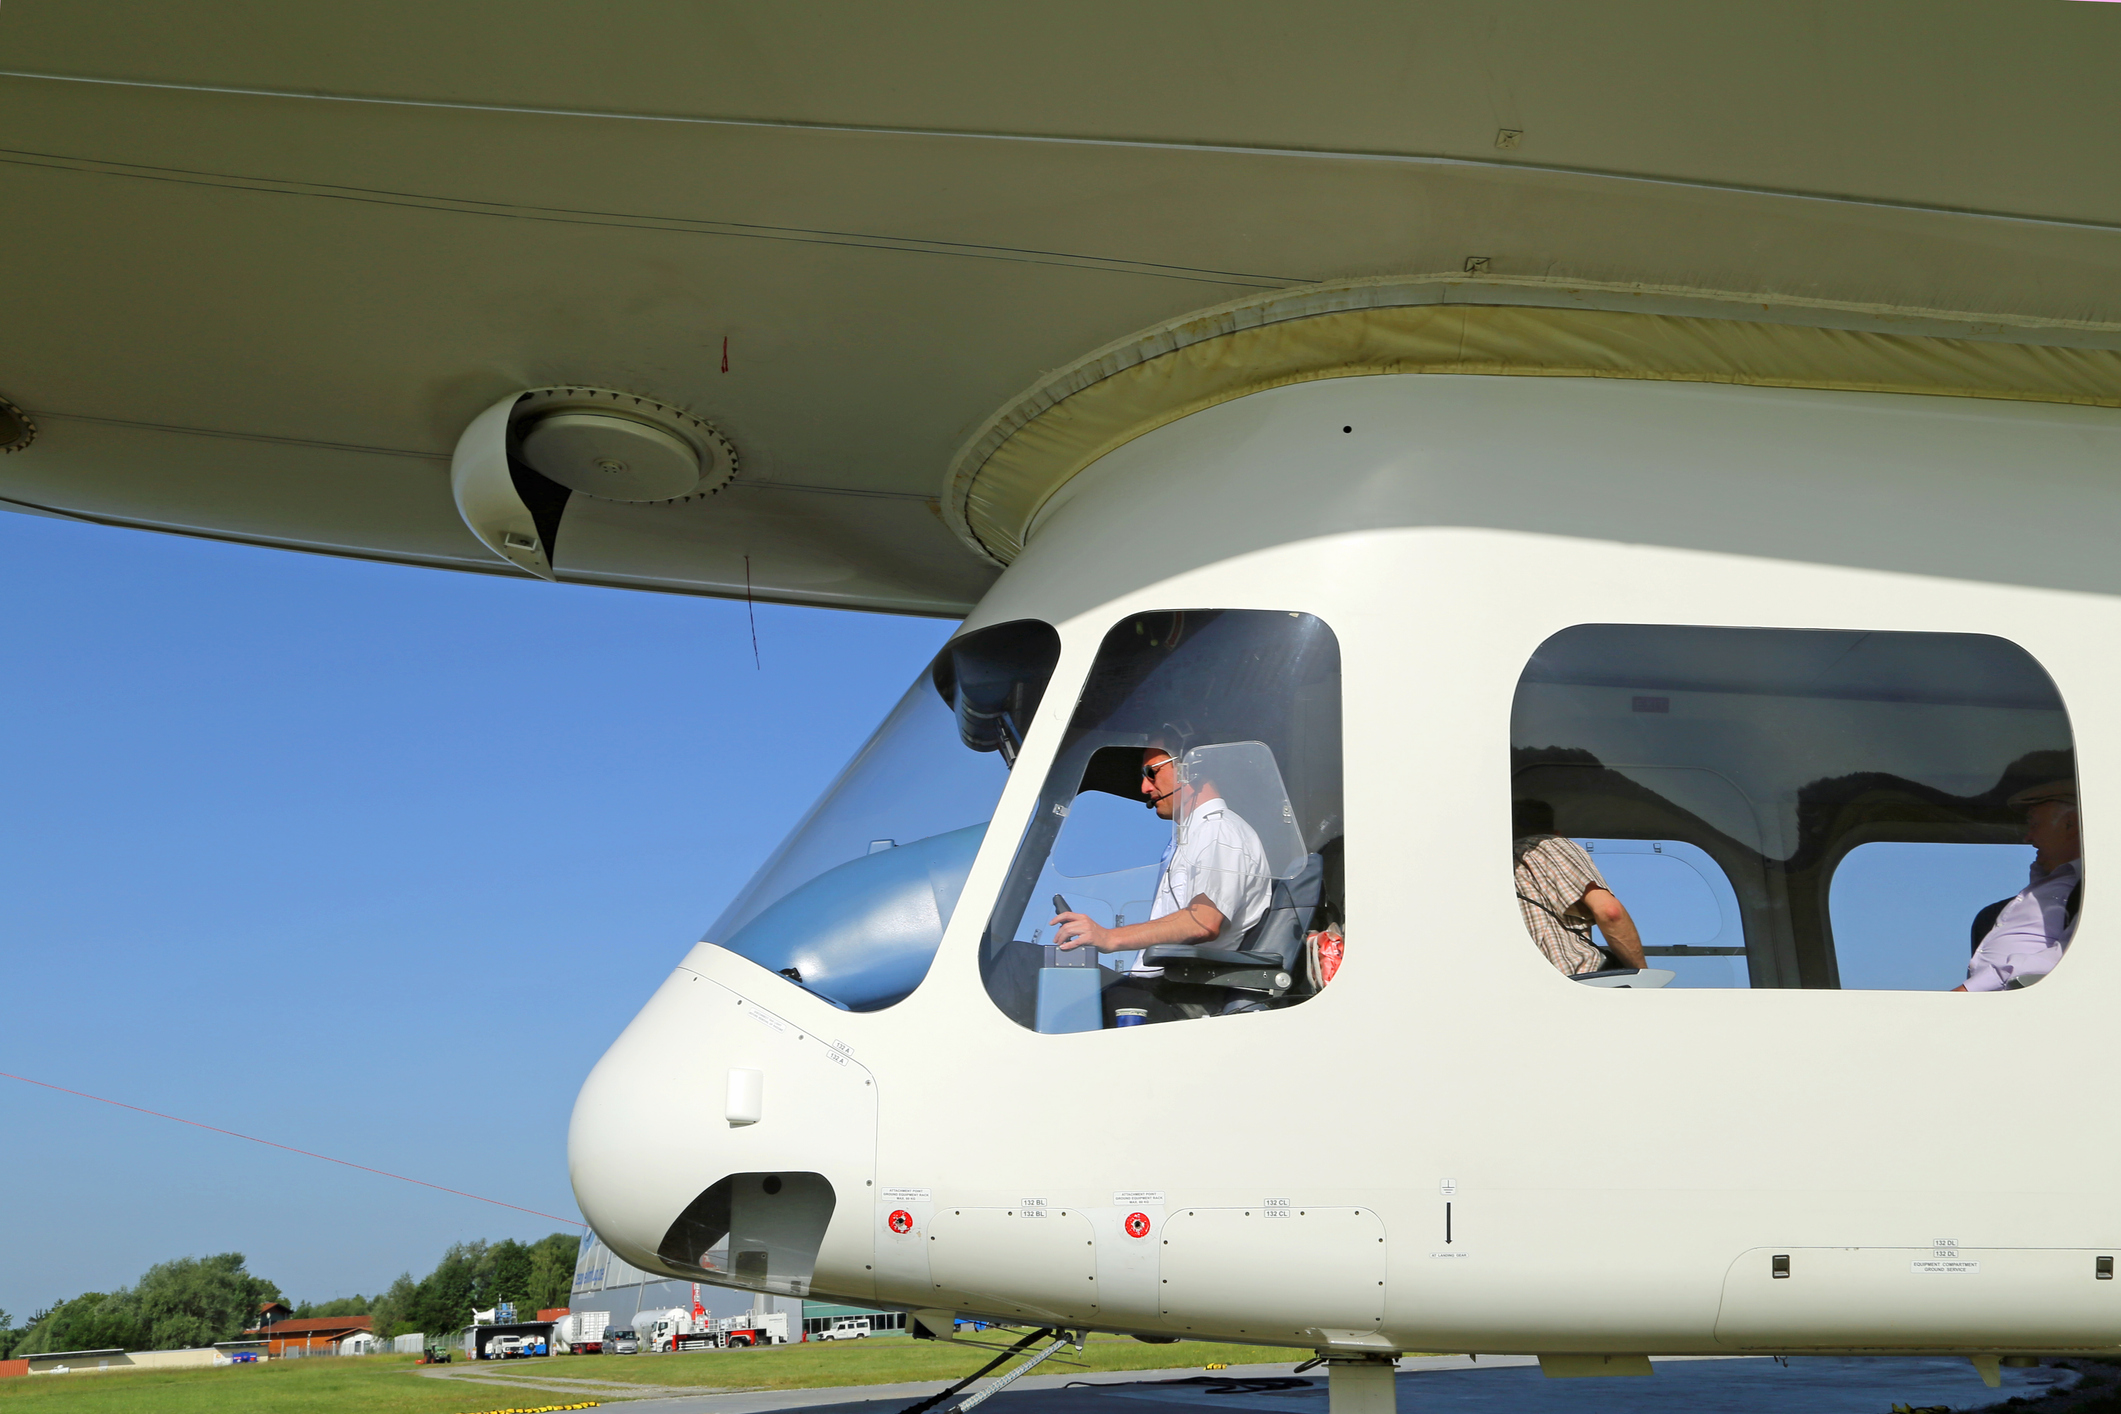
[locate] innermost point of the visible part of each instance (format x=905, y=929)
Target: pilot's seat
x=1264, y=966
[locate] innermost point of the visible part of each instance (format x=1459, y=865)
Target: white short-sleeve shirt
x=1213, y=852
x=2029, y=935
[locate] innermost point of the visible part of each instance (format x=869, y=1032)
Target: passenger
x=2033, y=928
x=1214, y=886
x=1561, y=894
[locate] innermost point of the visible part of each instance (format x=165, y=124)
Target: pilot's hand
x=1075, y=930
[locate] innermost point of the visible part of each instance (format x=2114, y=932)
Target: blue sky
x=1901, y=913
x=368, y=860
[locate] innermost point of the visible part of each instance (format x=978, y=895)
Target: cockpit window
x=853, y=904
x=1817, y=785
x=1183, y=860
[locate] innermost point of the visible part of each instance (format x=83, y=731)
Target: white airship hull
x=1619, y=1167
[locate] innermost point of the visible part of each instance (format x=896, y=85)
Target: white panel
x=1237, y=1271
x=1043, y=1266
x=1882, y=1297
x=903, y=1219
x=1130, y=1240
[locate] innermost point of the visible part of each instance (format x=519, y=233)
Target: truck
x=662, y=1330
x=581, y=1332
x=751, y=1328
x=679, y=1329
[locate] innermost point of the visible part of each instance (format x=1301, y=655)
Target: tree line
x=471, y=1276
x=197, y=1301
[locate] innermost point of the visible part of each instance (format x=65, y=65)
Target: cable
x=752, y=610
x=305, y=1153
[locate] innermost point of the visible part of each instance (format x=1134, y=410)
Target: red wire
x=573, y=1222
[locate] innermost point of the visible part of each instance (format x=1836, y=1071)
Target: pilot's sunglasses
x=1149, y=772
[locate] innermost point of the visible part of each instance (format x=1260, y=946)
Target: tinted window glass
x=1197, y=794
x=1902, y=912
x=1678, y=896
x=1776, y=754
x=854, y=903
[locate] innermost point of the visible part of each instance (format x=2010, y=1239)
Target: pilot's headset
x=1246, y=778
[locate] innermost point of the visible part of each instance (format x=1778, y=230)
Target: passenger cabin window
x=1677, y=894
x=853, y=904
x=1910, y=915
x=1183, y=860
x=1793, y=808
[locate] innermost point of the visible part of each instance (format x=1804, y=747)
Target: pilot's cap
x=2064, y=792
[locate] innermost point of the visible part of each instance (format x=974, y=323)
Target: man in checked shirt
x=1561, y=894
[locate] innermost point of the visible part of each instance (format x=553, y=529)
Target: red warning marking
x=902, y=1221
x=1137, y=1224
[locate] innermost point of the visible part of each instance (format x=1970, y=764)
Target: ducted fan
x=520, y=461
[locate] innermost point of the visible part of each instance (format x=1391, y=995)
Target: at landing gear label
x=1137, y=1224
x=901, y=1220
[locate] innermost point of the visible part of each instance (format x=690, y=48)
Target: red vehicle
x=739, y=1332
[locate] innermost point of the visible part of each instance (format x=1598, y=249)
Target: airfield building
x=314, y=1335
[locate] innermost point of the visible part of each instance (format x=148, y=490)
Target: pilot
x=1214, y=886
x=2033, y=928
x=1561, y=894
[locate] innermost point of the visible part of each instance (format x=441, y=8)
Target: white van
x=846, y=1328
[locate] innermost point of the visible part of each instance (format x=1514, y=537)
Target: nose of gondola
x=720, y=1141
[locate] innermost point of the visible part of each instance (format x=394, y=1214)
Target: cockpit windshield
x=853, y=904
x=1184, y=858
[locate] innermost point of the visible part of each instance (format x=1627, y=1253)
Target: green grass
x=389, y=1384
x=371, y=1384
x=882, y=1361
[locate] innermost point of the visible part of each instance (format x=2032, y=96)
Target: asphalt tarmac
x=1444, y=1385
